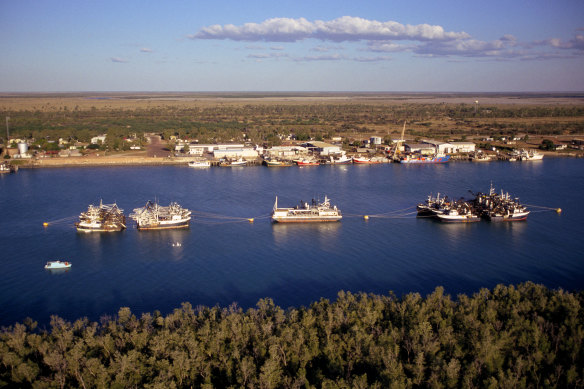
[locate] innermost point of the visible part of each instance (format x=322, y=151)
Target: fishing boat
x=154, y=217
x=423, y=159
x=342, y=160
x=102, y=218
x=433, y=206
x=307, y=213
x=307, y=162
x=530, y=155
x=198, y=164
x=480, y=157
x=365, y=161
x=499, y=207
x=235, y=163
x=459, y=212
x=5, y=167
x=58, y=265
x=276, y=163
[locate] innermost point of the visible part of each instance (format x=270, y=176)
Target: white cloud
x=372, y=59
x=267, y=56
x=346, y=28
x=576, y=43
x=328, y=57
x=505, y=47
x=118, y=60
x=146, y=50
x=387, y=47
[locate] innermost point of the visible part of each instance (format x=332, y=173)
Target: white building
x=323, y=148
x=285, y=151
x=200, y=149
x=375, y=140
x=440, y=147
x=246, y=153
x=98, y=139
x=463, y=147
x=422, y=148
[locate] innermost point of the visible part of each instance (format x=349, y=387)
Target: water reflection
x=164, y=244
x=57, y=272
x=327, y=234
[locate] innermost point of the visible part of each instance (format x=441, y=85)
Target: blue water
x=223, y=261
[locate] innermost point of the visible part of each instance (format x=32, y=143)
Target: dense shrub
x=511, y=336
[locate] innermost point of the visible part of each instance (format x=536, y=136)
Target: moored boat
x=154, y=217
x=5, y=167
x=433, y=206
x=277, y=163
x=307, y=162
x=458, y=215
x=423, y=159
x=530, y=155
x=365, y=161
x=499, y=207
x=234, y=163
x=102, y=218
x=342, y=160
x=58, y=265
x=306, y=213
x=199, y=164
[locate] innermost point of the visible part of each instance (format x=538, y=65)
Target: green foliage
x=511, y=336
x=547, y=144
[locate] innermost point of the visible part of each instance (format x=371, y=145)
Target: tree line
x=222, y=123
x=511, y=336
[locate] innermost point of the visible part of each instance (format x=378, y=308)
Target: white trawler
x=102, y=218
x=154, y=217
x=305, y=213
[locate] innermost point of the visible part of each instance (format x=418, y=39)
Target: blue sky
x=318, y=45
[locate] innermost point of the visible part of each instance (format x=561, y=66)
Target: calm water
x=220, y=261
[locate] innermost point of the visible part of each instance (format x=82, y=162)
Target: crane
x=399, y=143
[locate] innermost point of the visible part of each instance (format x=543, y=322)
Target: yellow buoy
x=366, y=217
x=559, y=210
x=45, y=224
x=250, y=220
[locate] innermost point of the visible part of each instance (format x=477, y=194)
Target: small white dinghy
x=57, y=265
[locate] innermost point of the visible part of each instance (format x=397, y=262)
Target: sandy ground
x=129, y=101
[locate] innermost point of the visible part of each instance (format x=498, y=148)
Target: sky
x=316, y=45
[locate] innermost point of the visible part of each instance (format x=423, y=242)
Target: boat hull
x=317, y=219
x=164, y=226
x=199, y=164
x=427, y=160
x=277, y=164
x=57, y=265
x=446, y=219
x=99, y=229
x=510, y=218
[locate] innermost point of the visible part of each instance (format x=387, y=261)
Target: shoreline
x=157, y=161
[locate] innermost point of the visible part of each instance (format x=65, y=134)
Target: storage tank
x=22, y=148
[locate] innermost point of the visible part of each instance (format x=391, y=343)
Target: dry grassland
x=131, y=101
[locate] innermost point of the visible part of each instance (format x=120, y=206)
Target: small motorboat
x=58, y=265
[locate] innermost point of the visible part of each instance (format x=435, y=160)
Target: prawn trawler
x=305, y=213
x=102, y=218
x=154, y=217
